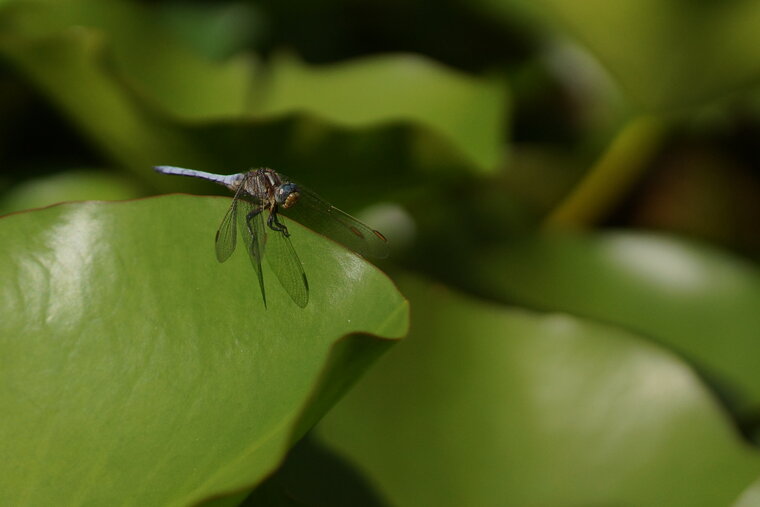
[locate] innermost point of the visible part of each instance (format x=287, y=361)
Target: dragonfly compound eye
x=287, y=195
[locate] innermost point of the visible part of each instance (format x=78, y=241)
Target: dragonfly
x=260, y=195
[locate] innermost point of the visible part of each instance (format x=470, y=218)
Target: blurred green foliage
x=479, y=137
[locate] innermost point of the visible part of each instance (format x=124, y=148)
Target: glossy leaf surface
x=664, y=53
x=490, y=405
x=700, y=301
x=138, y=370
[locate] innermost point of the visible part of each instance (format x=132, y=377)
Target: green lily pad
x=59, y=64
x=76, y=185
x=664, y=53
x=142, y=48
x=466, y=111
x=701, y=302
x=750, y=497
x=138, y=91
x=490, y=405
x=136, y=369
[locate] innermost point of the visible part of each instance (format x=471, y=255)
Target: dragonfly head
x=287, y=195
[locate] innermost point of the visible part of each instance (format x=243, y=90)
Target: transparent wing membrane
x=226, y=235
x=252, y=223
x=320, y=216
x=284, y=261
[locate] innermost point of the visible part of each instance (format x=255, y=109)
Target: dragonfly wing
x=320, y=216
x=255, y=236
x=226, y=235
x=284, y=261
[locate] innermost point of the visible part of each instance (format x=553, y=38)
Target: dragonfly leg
x=275, y=224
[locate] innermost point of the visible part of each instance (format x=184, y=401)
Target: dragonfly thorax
x=267, y=187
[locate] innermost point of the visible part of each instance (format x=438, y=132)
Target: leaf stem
x=612, y=175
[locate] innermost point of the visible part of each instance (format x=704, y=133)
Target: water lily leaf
x=701, y=302
x=136, y=39
x=466, y=111
x=76, y=185
x=138, y=92
x=130, y=134
x=490, y=405
x=134, y=366
x=664, y=53
x=750, y=497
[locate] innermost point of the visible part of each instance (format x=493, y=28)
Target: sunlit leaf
x=465, y=110
x=137, y=369
x=490, y=405
x=62, y=63
x=77, y=185
x=699, y=301
x=750, y=497
x=139, y=92
x=665, y=53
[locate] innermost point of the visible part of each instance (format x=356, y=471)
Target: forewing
x=254, y=236
x=284, y=261
x=226, y=235
x=324, y=218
